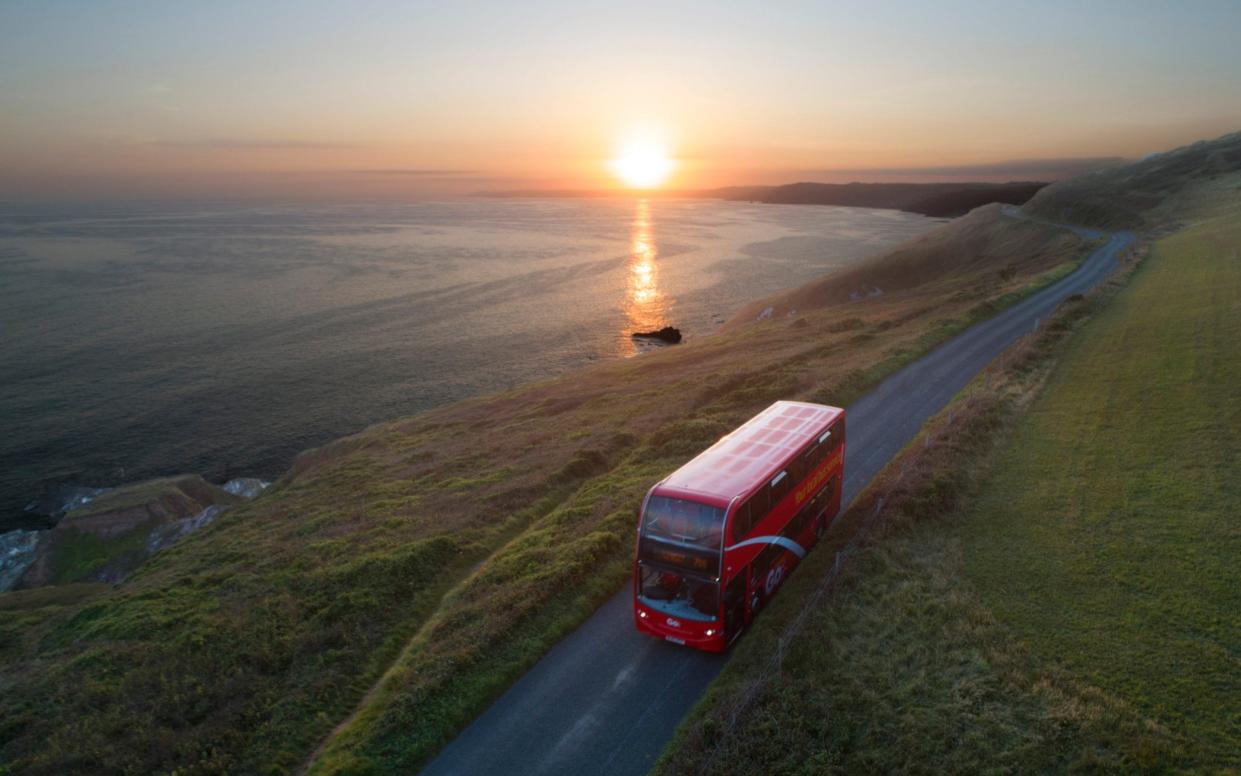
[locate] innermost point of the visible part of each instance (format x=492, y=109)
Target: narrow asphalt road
x=605, y=700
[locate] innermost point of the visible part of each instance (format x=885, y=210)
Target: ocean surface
x=224, y=338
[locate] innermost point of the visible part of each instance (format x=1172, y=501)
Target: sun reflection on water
x=644, y=303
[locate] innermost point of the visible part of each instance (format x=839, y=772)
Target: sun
x=642, y=163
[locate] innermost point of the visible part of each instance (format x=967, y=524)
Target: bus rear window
x=687, y=522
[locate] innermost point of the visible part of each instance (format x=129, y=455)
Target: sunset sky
x=374, y=99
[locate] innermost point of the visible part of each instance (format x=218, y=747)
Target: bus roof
x=749, y=455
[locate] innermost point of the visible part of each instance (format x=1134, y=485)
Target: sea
x=146, y=339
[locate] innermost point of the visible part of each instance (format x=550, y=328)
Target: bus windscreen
x=678, y=595
x=686, y=522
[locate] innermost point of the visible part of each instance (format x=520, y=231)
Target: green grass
x=78, y=554
x=1109, y=539
x=394, y=582
x=1149, y=194
x=1053, y=585
x=107, y=538
x=430, y=559
x=184, y=488
x=902, y=668
x=984, y=245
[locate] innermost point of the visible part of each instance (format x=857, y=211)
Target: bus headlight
x=710, y=631
x=642, y=614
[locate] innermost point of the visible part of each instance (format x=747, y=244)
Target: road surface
x=605, y=700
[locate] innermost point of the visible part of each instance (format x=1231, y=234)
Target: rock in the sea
x=669, y=334
x=246, y=487
x=17, y=551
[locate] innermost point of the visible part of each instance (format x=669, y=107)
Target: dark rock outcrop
x=669, y=334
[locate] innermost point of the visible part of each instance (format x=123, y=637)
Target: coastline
x=282, y=379
x=450, y=549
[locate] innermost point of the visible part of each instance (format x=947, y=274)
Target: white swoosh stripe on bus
x=783, y=541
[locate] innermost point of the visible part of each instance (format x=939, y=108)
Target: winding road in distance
x=606, y=699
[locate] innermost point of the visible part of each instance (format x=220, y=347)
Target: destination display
x=702, y=562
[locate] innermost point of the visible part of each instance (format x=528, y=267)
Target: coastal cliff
x=106, y=538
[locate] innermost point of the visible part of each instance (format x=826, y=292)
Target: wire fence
x=742, y=701
x=775, y=664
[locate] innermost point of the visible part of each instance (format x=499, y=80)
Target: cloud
x=420, y=172
x=248, y=144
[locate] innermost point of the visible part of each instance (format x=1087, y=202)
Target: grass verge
x=903, y=666
x=504, y=621
x=1108, y=537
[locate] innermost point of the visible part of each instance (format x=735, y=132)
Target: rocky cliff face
x=17, y=553
x=246, y=487
x=106, y=538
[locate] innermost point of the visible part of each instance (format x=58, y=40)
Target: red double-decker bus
x=718, y=536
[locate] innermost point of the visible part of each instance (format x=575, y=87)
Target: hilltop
x=968, y=249
x=1149, y=194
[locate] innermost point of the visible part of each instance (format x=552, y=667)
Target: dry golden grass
x=981, y=247
x=1149, y=194
x=444, y=552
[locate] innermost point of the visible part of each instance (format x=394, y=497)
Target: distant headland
x=939, y=200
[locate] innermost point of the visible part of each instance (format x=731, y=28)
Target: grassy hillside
x=984, y=245
x=1146, y=195
x=108, y=537
x=900, y=667
x=1067, y=600
x=394, y=582
x=1109, y=538
x=443, y=553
